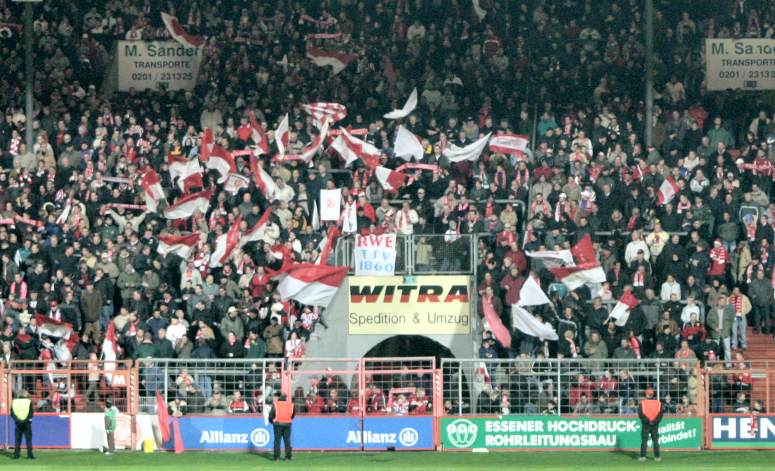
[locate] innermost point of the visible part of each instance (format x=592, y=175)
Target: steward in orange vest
x=650, y=413
x=281, y=416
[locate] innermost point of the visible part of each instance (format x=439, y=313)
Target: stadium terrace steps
x=761, y=347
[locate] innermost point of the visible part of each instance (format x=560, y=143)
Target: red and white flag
x=282, y=136
x=162, y=414
x=51, y=327
x=531, y=294
x=327, y=244
x=501, y=333
x=621, y=312
x=407, y=145
x=181, y=168
x=311, y=284
x=586, y=269
x=553, y=258
x=152, y=190
x=258, y=231
x=195, y=180
x=186, y=206
x=389, y=179
x=337, y=60
x=263, y=180
x=258, y=135
x=216, y=157
x=351, y=149
x=180, y=245
x=178, y=33
x=470, y=152
x=509, y=144
x=310, y=151
x=235, y=183
x=667, y=190
x=321, y=111
x=527, y=323
x=225, y=244
x=406, y=110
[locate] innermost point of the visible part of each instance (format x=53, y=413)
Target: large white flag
x=531, y=294
x=407, y=145
x=527, y=323
x=408, y=107
x=330, y=204
x=470, y=152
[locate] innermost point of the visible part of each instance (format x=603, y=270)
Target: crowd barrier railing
x=409, y=403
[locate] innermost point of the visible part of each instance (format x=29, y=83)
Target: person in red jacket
x=719, y=258
x=650, y=412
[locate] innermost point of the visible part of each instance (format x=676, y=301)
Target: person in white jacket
x=406, y=218
x=635, y=245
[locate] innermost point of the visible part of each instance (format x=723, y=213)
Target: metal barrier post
x=659, y=394
x=460, y=389
x=559, y=387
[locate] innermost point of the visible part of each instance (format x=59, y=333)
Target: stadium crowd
x=75, y=246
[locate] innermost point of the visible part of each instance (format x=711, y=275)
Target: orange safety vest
x=651, y=408
x=283, y=412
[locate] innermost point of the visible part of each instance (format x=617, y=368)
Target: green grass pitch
x=421, y=461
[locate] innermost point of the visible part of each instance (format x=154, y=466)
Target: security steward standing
x=21, y=411
x=650, y=413
x=281, y=416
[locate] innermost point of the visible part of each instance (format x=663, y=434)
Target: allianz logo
x=406, y=437
x=258, y=437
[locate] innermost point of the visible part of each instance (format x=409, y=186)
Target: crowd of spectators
x=567, y=74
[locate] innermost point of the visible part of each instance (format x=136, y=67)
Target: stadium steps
x=761, y=347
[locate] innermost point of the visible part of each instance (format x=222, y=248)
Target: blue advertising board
x=308, y=433
x=743, y=431
x=48, y=431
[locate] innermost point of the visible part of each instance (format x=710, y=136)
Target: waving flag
x=469, y=152
x=258, y=231
x=311, y=284
x=216, y=157
x=501, y=333
x=531, y=294
x=186, y=206
x=181, y=168
x=152, y=190
x=389, y=179
x=51, y=327
x=326, y=245
x=180, y=245
x=407, y=145
x=530, y=325
x=263, y=180
x=621, y=312
x=258, y=135
x=667, y=191
x=188, y=184
x=282, y=136
x=164, y=417
x=406, y=110
x=352, y=149
x=553, y=258
x=225, y=244
x=235, y=183
x=309, y=151
x=586, y=268
x=337, y=60
x=510, y=144
x=321, y=111
x=179, y=34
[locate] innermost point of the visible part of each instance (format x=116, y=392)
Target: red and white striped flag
x=282, y=136
x=509, y=144
x=321, y=111
x=586, y=270
x=195, y=180
x=389, y=179
x=667, y=190
x=337, y=60
x=216, y=157
x=225, y=244
x=186, y=206
x=180, y=245
x=181, y=168
x=178, y=33
x=352, y=149
x=152, y=190
x=258, y=135
x=51, y=327
x=309, y=151
x=621, y=312
x=311, y=284
x=235, y=183
x=263, y=180
x=469, y=152
x=258, y=231
x=406, y=110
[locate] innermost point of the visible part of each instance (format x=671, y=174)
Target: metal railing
x=564, y=387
